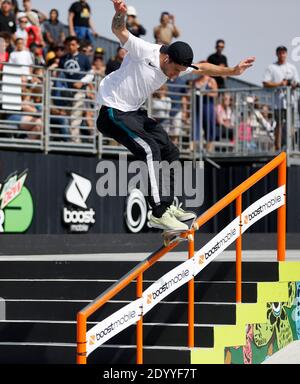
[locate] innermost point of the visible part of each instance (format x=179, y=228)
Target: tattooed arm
x=119, y=21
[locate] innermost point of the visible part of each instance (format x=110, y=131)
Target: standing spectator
x=167, y=30
x=22, y=27
x=7, y=18
x=281, y=74
x=115, y=62
x=15, y=6
x=34, y=16
x=225, y=117
x=80, y=23
x=88, y=50
x=133, y=24
x=218, y=58
x=54, y=30
x=161, y=107
x=75, y=63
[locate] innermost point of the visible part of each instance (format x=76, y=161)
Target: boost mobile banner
x=263, y=207
x=113, y=324
x=167, y=284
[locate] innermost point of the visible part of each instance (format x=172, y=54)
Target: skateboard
x=172, y=236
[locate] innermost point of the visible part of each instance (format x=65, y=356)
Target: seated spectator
x=99, y=66
x=80, y=22
x=37, y=54
x=22, y=27
x=54, y=30
x=115, y=62
x=225, y=118
x=59, y=51
x=87, y=49
x=7, y=18
x=161, y=107
x=34, y=36
x=4, y=54
x=166, y=30
x=30, y=121
x=132, y=23
x=21, y=56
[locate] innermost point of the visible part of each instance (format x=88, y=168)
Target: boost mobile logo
x=175, y=280
x=269, y=204
x=77, y=193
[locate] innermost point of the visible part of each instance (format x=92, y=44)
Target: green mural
x=263, y=340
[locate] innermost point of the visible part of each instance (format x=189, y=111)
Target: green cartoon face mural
x=263, y=340
x=278, y=323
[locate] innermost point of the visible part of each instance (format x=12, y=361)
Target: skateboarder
x=145, y=68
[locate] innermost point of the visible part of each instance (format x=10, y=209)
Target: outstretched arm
x=216, y=70
x=119, y=23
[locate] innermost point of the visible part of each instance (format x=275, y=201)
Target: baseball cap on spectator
x=131, y=11
x=99, y=51
x=281, y=48
x=50, y=56
x=180, y=53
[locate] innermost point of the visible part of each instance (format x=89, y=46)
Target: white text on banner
x=263, y=207
x=216, y=245
x=112, y=325
x=167, y=284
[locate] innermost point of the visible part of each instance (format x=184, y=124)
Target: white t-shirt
x=21, y=58
x=138, y=77
x=275, y=73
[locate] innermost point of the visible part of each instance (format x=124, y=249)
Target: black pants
x=148, y=141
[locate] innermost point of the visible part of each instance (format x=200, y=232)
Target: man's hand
x=120, y=6
x=242, y=66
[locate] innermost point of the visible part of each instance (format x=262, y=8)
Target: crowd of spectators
x=29, y=37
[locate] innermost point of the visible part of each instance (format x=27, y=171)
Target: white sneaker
x=167, y=222
x=181, y=214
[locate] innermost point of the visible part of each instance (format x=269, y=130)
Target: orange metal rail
x=137, y=273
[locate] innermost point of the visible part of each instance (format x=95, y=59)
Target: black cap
x=281, y=48
x=180, y=53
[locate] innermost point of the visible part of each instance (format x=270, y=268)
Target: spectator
x=54, y=30
x=29, y=121
x=87, y=49
x=115, y=62
x=34, y=36
x=167, y=30
x=218, y=58
x=21, y=56
x=4, y=54
x=225, y=117
x=98, y=64
x=7, y=18
x=37, y=53
x=161, y=107
x=34, y=16
x=80, y=23
x=22, y=27
x=206, y=87
x=281, y=74
x=15, y=6
x=75, y=62
x=59, y=51
x=177, y=93
x=133, y=24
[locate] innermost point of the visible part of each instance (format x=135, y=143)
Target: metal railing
x=45, y=109
x=242, y=218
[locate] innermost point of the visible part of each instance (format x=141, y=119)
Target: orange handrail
x=137, y=272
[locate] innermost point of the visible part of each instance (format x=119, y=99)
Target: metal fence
x=56, y=110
